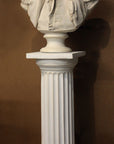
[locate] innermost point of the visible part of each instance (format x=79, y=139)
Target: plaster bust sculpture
x=60, y=16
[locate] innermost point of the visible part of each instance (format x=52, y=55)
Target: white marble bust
x=58, y=15
x=55, y=18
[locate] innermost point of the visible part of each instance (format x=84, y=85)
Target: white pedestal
x=57, y=97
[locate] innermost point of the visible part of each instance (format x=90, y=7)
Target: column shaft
x=57, y=107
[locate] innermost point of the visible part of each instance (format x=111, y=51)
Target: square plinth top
x=68, y=55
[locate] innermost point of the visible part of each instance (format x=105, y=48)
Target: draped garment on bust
x=58, y=15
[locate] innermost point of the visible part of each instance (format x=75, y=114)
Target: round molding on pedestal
x=55, y=43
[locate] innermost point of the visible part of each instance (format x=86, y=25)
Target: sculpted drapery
x=58, y=15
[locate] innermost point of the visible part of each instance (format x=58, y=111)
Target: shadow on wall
x=91, y=37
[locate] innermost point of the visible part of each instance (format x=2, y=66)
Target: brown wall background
x=20, y=78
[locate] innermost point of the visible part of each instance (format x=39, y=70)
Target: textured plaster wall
x=20, y=78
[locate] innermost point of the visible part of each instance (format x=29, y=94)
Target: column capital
x=68, y=55
x=56, y=61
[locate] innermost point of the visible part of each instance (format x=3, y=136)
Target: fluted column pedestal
x=57, y=97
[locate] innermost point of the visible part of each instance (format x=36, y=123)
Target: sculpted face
x=58, y=15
